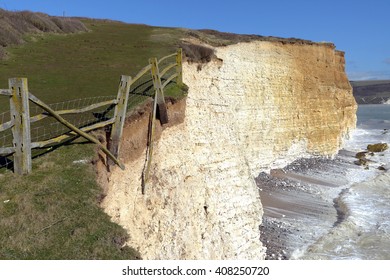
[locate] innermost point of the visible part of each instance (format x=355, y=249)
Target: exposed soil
x=218, y=38
x=135, y=135
x=136, y=129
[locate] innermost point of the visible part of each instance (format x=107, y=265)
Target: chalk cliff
x=262, y=105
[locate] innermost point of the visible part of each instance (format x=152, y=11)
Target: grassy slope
x=53, y=213
x=64, y=67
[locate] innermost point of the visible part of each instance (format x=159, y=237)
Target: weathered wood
x=119, y=116
x=66, y=136
x=87, y=108
x=74, y=111
x=170, y=78
x=5, y=92
x=166, y=57
x=159, y=102
x=166, y=69
x=75, y=129
x=144, y=70
x=20, y=114
x=6, y=125
x=7, y=151
x=149, y=154
x=39, y=117
x=179, y=67
x=159, y=95
x=20, y=120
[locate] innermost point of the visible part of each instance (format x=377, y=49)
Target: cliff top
x=217, y=38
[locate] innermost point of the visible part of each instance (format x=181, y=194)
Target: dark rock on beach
x=377, y=148
x=362, y=161
x=361, y=155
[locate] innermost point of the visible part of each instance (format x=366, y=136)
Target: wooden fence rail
x=20, y=119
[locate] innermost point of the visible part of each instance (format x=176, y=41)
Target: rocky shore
x=299, y=204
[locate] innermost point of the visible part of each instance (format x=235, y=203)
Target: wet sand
x=299, y=205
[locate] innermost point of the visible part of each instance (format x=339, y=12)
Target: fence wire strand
x=48, y=128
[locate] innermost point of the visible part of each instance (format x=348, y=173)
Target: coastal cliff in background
x=259, y=106
x=371, y=92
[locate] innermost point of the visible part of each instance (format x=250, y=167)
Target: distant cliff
x=260, y=105
x=371, y=92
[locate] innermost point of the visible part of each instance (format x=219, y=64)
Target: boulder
x=361, y=162
x=360, y=155
x=376, y=148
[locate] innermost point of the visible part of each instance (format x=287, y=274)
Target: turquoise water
x=373, y=116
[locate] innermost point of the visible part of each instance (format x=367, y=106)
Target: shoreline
x=301, y=196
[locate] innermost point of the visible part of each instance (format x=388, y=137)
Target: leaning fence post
x=119, y=116
x=179, y=67
x=20, y=114
x=159, y=95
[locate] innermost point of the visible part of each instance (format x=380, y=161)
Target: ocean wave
x=332, y=208
x=364, y=232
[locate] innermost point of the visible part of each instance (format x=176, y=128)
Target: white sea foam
x=364, y=231
x=335, y=209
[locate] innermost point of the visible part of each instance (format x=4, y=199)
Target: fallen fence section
x=149, y=82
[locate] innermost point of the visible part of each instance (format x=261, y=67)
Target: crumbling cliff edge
x=260, y=106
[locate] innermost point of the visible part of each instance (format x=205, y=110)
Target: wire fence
x=5, y=140
x=49, y=128
x=46, y=130
x=140, y=90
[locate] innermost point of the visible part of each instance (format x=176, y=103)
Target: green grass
x=175, y=91
x=65, y=67
x=54, y=212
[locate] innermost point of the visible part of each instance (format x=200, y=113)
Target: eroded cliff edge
x=262, y=105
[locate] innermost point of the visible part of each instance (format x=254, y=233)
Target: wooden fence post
x=58, y=117
x=119, y=116
x=179, y=67
x=162, y=107
x=149, y=153
x=20, y=114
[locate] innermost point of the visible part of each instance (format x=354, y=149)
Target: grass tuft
x=197, y=53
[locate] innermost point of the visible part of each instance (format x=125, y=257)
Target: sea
x=332, y=209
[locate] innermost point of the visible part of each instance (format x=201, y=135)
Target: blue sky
x=361, y=28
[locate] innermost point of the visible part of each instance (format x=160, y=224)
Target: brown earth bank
x=136, y=133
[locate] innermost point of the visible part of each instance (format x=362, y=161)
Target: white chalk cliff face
x=264, y=105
